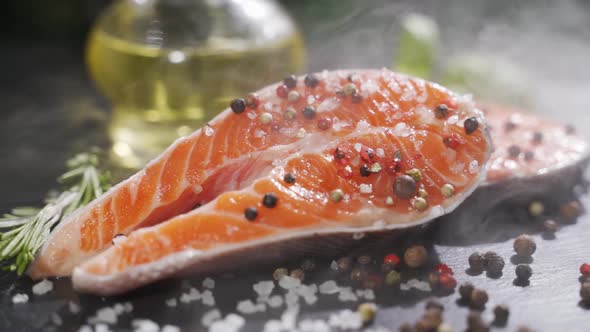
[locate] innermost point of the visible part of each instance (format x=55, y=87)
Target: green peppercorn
x=523, y=272
x=367, y=311
x=477, y=261
x=465, y=291
x=279, y=273
x=536, y=208
x=336, y=195
x=479, y=298
x=290, y=114
x=444, y=328
x=447, y=190
x=524, y=245
x=420, y=203
x=415, y=256
x=265, y=118
x=349, y=89
x=415, y=174
x=392, y=278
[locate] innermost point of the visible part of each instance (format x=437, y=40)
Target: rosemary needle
x=29, y=227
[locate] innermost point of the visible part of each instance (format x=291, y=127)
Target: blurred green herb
x=29, y=227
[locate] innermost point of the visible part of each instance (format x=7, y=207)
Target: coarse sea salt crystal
x=358, y=147
x=209, y=283
x=231, y=323
x=329, y=287
x=334, y=265
x=268, y=106
x=85, y=328
x=310, y=99
x=358, y=236
x=248, y=307
x=210, y=316
x=275, y=301
x=102, y=328
x=74, y=307
x=170, y=328
x=192, y=295
x=104, y=315
x=209, y=131
x=362, y=125
x=366, y=188
x=473, y=167
x=171, y=302
x=380, y=152
x=207, y=298
x=314, y=325
x=251, y=115
x=263, y=288
x=288, y=282
x=291, y=298
x=401, y=129
x=145, y=325
x=42, y=287
x=20, y=298
x=56, y=319
x=273, y=325
x=346, y=294
x=345, y=319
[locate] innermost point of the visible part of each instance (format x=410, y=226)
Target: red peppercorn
x=391, y=259
x=452, y=141
x=443, y=269
x=341, y=156
x=447, y=281
x=367, y=154
x=282, y=91
x=585, y=270
x=324, y=124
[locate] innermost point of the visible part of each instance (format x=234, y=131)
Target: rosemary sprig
x=29, y=227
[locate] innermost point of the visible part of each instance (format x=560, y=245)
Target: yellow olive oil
x=159, y=93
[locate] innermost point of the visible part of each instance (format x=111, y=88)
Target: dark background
x=50, y=110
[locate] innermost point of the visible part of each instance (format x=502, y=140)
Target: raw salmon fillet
x=342, y=153
x=533, y=157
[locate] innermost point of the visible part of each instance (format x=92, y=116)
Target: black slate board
x=50, y=111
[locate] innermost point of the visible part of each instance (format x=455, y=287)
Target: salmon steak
x=533, y=157
x=296, y=163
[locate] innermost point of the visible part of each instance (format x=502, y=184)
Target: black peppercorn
x=529, y=155
x=358, y=275
x=289, y=178
x=477, y=261
x=308, y=265
x=513, y=151
x=365, y=171
x=524, y=245
x=585, y=292
x=488, y=256
x=523, y=272
x=290, y=81
x=441, y=111
x=475, y=323
x=251, y=213
x=470, y=125
x=270, y=200
x=309, y=112
x=405, y=187
x=238, y=105
x=364, y=260
x=501, y=313
x=537, y=137
x=550, y=226
x=479, y=298
x=311, y=81
x=465, y=290
x=495, y=265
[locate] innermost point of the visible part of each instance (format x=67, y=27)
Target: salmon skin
x=533, y=157
x=334, y=152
